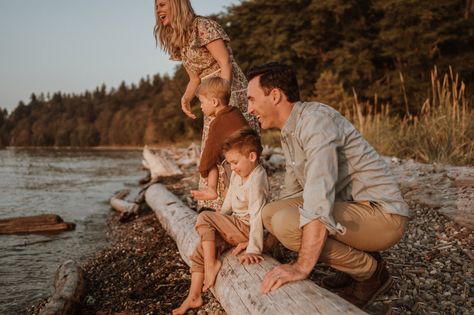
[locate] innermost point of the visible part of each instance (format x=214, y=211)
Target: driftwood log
x=126, y=209
x=449, y=189
x=237, y=286
x=35, y=224
x=190, y=156
x=69, y=289
x=160, y=166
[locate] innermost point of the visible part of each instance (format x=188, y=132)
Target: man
x=339, y=204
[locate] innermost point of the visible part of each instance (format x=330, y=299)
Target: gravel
x=142, y=272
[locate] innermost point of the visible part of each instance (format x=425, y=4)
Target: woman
x=203, y=47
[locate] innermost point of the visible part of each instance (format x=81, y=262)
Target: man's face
x=261, y=105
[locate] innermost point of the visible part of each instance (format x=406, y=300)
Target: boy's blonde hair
x=215, y=87
x=175, y=36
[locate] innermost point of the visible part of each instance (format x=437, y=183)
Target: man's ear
x=253, y=156
x=276, y=95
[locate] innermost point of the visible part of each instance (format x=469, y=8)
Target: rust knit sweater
x=227, y=121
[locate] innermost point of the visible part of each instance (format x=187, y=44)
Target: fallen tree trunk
x=120, y=205
x=449, y=189
x=35, y=224
x=161, y=167
x=237, y=286
x=69, y=289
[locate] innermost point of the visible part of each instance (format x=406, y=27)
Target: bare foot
x=189, y=302
x=204, y=193
x=210, y=275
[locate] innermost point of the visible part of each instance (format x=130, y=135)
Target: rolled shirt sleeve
x=321, y=172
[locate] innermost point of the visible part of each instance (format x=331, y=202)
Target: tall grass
x=442, y=132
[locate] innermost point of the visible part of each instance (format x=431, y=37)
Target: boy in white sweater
x=239, y=223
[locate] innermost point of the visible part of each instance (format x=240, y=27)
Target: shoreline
x=180, y=144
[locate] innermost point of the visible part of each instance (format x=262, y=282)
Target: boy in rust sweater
x=214, y=95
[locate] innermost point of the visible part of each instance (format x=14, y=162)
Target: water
x=76, y=185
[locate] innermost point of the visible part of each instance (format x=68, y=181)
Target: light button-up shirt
x=328, y=160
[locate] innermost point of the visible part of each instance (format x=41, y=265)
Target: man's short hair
x=245, y=140
x=277, y=75
x=215, y=87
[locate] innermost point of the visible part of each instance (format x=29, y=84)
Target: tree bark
x=448, y=189
x=35, y=224
x=69, y=289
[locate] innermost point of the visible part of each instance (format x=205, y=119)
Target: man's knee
x=286, y=228
x=285, y=222
x=267, y=213
x=270, y=209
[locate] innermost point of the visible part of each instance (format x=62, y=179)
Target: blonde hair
x=215, y=87
x=174, y=36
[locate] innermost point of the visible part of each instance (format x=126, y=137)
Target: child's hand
x=248, y=259
x=239, y=248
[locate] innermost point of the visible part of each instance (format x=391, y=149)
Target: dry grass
x=443, y=132
x=271, y=137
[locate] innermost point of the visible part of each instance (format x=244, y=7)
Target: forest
x=345, y=53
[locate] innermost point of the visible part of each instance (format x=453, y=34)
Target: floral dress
x=197, y=59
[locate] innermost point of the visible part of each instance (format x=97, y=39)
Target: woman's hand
x=186, y=107
x=188, y=95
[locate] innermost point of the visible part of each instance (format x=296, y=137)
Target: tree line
x=381, y=50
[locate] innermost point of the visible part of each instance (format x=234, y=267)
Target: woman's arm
x=221, y=55
x=194, y=81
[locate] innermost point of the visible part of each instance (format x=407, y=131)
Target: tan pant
x=230, y=232
x=368, y=229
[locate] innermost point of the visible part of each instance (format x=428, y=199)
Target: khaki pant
x=368, y=229
x=230, y=232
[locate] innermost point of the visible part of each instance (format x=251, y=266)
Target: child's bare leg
x=194, y=298
x=211, y=264
x=209, y=192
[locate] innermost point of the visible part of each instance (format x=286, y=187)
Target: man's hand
x=280, y=275
x=239, y=248
x=248, y=259
x=312, y=243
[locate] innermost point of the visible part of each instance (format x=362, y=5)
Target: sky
x=73, y=46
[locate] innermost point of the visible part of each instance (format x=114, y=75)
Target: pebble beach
x=141, y=272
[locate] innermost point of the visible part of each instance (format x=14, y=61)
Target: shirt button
x=293, y=162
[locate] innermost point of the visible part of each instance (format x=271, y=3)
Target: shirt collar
x=290, y=123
